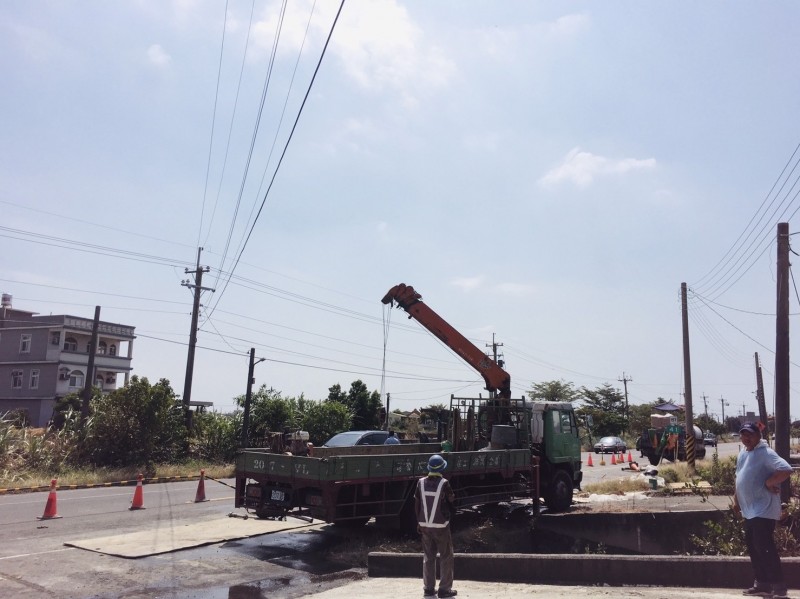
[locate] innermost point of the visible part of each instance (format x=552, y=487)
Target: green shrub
x=721, y=475
x=215, y=437
x=137, y=424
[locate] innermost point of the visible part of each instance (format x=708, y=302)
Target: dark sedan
x=610, y=445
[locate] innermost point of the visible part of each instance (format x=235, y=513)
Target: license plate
x=276, y=495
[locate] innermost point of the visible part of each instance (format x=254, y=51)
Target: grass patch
x=93, y=476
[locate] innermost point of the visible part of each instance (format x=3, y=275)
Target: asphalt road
x=35, y=563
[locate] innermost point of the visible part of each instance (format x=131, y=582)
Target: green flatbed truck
x=502, y=449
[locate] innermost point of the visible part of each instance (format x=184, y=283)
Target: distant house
x=414, y=420
x=43, y=358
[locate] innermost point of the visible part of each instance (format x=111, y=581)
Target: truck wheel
x=559, y=492
x=654, y=459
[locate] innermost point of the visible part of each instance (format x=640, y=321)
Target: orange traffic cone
x=50, y=508
x=201, y=488
x=138, y=497
x=613, y=459
x=630, y=457
x=589, y=462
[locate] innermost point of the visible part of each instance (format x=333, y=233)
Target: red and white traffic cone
x=201, y=488
x=50, y=508
x=138, y=495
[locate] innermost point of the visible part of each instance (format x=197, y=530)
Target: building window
x=76, y=378
x=102, y=348
x=34, y=383
x=25, y=344
x=70, y=344
x=112, y=350
x=89, y=347
x=55, y=338
x=98, y=382
x=16, y=379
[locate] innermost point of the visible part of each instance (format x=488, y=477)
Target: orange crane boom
x=497, y=380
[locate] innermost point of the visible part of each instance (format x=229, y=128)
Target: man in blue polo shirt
x=759, y=475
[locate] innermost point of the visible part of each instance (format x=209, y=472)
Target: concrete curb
x=660, y=570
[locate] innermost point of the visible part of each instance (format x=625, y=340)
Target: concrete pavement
x=470, y=589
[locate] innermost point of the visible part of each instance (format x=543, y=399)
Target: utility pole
x=494, y=347
x=723, y=403
x=625, y=380
x=89, y=380
x=687, y=383
x=388, y=399
x=782, y=352
x=247, y=397
x=762, y=403
x=705, y=405
x=198, y=288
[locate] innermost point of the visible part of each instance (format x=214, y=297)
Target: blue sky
x=546, y=172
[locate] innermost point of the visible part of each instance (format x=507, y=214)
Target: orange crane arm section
x=497, y=380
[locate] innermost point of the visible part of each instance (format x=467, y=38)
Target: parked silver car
x=610, y=445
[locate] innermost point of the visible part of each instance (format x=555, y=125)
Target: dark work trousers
x=434, y=539
x=763, y=554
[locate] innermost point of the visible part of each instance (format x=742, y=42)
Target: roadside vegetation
x=144, y=428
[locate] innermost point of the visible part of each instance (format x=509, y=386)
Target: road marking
x=39, y=553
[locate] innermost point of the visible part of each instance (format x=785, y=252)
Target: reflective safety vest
x=429, y=513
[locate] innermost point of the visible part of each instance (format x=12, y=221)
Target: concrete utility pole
x=723, y=403
x=705, y=405
x=89, y=380
x=494, y=347
x=782, y=352
x=762, y=403
x=388, y=399
x=198, y=288
x=687, y=383
x=248, y=396
x=625, y=380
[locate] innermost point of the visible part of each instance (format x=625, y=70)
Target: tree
x=606, y=406
x=323, y=419
x=139, y=424
x=554, y=391
x=269, y=412
x=639, y=417
x=364, y=406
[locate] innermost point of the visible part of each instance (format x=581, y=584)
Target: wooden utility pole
x=89, y=380
x=762, y=403
x=782, y=352
x=197, y=287
x=687, y=383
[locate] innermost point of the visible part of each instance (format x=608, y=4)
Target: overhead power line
x=283, y=154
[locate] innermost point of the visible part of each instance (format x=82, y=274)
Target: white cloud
x=467, y=283
x=158, y=56
x=582, y=168
x=569, y=25
x=516, y=289
x=378, y=45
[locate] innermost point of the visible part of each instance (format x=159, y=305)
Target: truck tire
x=558, y=497
x=655, y=459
